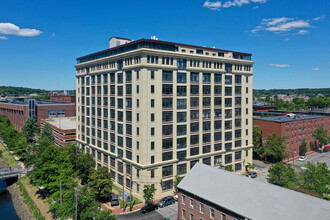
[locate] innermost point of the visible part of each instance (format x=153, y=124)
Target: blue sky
x=289, y=39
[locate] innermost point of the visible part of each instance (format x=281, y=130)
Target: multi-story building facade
x=20, y=109
x=149, y=110
x=295, y=128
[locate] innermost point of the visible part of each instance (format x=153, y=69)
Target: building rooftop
x=287, y=118
x=154, y=44
x=261, y=103
x=64, y=123
x=251, y=198
x=25, y=101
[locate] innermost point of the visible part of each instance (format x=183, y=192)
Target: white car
x=302, y=158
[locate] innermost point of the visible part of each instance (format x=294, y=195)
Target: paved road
x=170, y=212
x=323, y=157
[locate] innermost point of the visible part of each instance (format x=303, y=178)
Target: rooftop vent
x=153, y=37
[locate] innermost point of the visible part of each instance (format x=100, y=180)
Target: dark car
x=252, y=175
x=168, y=200
x=149, y=207
x=114, y=199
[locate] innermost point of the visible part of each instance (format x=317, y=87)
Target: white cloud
x=255, y=7
x=316, y=69
x=303, y=32
x=286, y=39
x=318, y=18
x=279, y=65
x=3, y=38
x=216, y=6
x=283, y=25
x=11, y=29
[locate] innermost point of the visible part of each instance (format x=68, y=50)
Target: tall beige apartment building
x=150, y=109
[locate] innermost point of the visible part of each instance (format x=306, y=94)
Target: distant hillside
x=12, y=90
x=307, y=92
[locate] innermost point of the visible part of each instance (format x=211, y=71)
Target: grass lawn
x=11, y=161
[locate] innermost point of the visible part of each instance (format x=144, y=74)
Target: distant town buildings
x=210, y=193
x=20, y=109
x=63, y=128
x=149, y=110
x=261, y=106
x=63, y=98
x=290, y=98
x=295, y=127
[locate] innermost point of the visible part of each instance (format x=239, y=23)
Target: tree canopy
x=281, y=174
x=47, y=133
x=148, y=193
x=258, y=149
x=30, y=128
x=321, y=135
x=101, y=182
x=275, y=147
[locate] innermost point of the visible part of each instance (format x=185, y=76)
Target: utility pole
x=131, y=184
x=76, y=190
x=61, y=193
x=123, y=187
x=292, y=152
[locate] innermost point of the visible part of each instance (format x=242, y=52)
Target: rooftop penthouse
x=126, y=45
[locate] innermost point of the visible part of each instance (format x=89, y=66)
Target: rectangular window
x=181, y=78
x=167, y=171
x=167, y=76
x=201, y=208
x=194, y=77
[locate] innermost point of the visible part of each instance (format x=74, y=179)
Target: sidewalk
x=118, y=211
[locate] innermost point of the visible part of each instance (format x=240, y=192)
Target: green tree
x=82, y=163
x=321, y=135
x=88, y=207
x=229, y=168
x=30, y=128
x=282, y=174
x=148, y=193
x=316, y=178
x=177, y=180
x=47, y=133
x=275, y=146
x=303, y=148
x=258, y=149
x=100, y=181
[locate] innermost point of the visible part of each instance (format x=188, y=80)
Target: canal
x=7, y=210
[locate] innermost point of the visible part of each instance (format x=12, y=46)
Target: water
x=7, y=210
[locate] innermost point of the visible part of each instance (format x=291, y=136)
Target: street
x=170, y=212
x=262, y=168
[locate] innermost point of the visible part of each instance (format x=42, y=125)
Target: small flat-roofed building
x=64, y=129
x=210, y=193
x=63, y=98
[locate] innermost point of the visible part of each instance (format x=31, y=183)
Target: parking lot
x=169, y=212
x=262, y=168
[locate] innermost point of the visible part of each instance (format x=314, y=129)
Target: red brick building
x=296, y=128
x=63, y=98
x=20, y=109
x=210, y=193
x=64, y=129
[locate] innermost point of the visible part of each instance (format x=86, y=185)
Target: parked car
x=302, y=158
x=114, y=199
x=176, y=197
x=168, y=200
x=149, y=207
x=326, y=148
x=252, y=174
